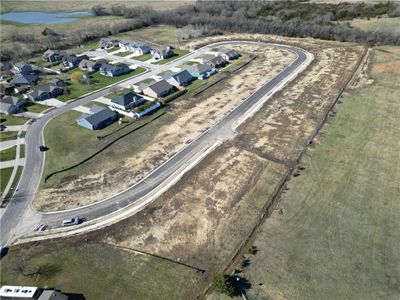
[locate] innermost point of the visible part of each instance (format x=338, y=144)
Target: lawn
x=8, y=135
x=8, y=154
x=143, y=57
x=119, y=93
x=112, y=49
x=5, y=175
x=66, y=139
x=123, y=54
x=382, y=24
x=336, y=232
x=11, y=120
x=100, y=271
x=191, y=63
x=15, y=182
x=178, y=53
x=98, y=81
x=35, y=107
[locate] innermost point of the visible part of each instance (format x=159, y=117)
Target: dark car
x=2, y=127
x=43, y=148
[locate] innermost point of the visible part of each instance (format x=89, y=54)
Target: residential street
x=15, y=222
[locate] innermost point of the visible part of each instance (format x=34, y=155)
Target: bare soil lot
x=187, y=118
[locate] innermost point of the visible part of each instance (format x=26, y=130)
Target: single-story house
x=229, y=54
x=180, y=79
x=72, y=61
x=98, y=118
x=58, y=82
x=107, y=43
x=126, y=101
x=198, y=70
x=159, y=89
x=216, y=62
x=137, y=48
x=24, y=79
x=22, y=69
x=10, y=105
x=52, y=55
x=89, y=65
x=162, y=53
x=114, y=70
x=44, y=91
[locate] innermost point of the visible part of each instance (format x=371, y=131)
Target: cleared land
x=338, y=234
x=185, y=120
x=381, y=24
x=99, y=271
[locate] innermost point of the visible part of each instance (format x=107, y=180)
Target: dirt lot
x=190, y=117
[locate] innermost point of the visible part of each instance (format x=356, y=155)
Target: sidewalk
x=8, y=144
x=12, y=163
x=16, y=128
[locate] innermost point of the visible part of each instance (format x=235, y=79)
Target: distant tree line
x=287, y=18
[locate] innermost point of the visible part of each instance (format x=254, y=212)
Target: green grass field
x=5, y=175
x=8, y=154
x=156, y=35
x=382, y=24
x=35, y=107
x=66, y=139
x=143, y=57
x=338, y=233
x=8, y=135
x=97, y=81
x=11, y=120
x=99, y=271
x=123, y=54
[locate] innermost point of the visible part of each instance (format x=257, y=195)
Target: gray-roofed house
x=58, y=82
x=126, y=101
x=229, y=54
x=52, y=55
x=216, y=62
x=22, y=68
x=89, y=65
x=10, y=105
x=97, y=118
x=24, y=79
x=162, y=53
x=114, y=70
x=44, y=91
x=180, y=79
x=72, y=61
x=137, y=48
x=52, y=295
x=159, y=89
x=107, y=43
x=198, y=70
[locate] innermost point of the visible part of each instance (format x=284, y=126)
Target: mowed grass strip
x=8, y=135
x=73, y=143
x=5, y=175
x=336, y=232
x=8, y=154
x=11, y=120
x=100, y=271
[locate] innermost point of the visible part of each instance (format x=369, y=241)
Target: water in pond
x=37, y=17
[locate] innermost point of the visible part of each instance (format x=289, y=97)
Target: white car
x=70, y=222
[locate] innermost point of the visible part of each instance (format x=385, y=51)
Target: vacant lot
x=338, y=236
x=156, y=35
x=186, y=119
x=98, y=271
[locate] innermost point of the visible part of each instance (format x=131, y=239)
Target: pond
x=37, y=17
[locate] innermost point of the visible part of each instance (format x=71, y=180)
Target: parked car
x=2, y=127
x=43, y=148
x=70, y=222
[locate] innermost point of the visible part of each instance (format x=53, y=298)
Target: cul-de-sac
x=199, y=149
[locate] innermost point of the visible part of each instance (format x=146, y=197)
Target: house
x=58, y=82
x=107, y=43
x=180, y=79
x=198, y=70
x=97, y=118
x=137, y=48
x=22, y=69
x=114, y=70
x=52, y=55
x=126, y=101
x=216, y=62
x=18, y=292
x=228, y=54
x=72, y=61
x=10, y=105
x=89, y=65
x=52, y=295
x=45, y=91
x=5, y=66
x=24, y=79
x=6, y=90
x=162, y=53
x=159, y=89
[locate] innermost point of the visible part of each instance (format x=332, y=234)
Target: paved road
x=20, y=208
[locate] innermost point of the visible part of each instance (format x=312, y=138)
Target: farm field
x=99, y=271
x=337, y=224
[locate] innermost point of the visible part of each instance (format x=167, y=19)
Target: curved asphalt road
x=31, y=176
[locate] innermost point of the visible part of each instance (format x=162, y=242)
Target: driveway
x=103, y=100
x=53, y=102
x=82, y=109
